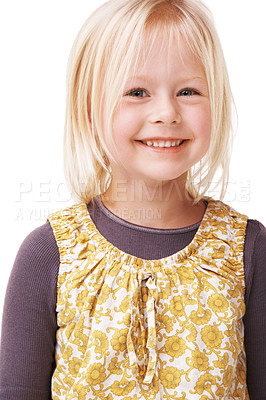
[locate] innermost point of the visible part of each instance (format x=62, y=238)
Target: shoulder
x=39, y=237
x=255, y=255
x=40, y=244
x=224, y=217
x=255, y=243
x=255, y=230
x=67, y=214
x=222, y=210
x=256, y=235
x=66, y=220
x=37, y=260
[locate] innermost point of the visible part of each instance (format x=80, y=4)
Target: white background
x=35, y=40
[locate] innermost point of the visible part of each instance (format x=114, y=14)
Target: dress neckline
x=115, y=253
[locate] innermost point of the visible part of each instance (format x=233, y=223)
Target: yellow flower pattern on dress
x=137, y=329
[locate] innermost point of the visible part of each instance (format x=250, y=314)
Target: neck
x=163, y=205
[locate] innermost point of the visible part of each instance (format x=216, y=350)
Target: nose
x=166, y=111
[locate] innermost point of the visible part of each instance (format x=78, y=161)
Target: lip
x=162, y=149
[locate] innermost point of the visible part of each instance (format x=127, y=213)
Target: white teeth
x=163, y=143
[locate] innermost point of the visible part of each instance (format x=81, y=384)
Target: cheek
x=206, y=131
x=203, y=124
x=126, y=122
x=200, y=120
x=124, y=127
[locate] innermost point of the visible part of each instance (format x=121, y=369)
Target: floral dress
x=140, y=329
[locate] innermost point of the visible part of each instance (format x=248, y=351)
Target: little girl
x=145, y=288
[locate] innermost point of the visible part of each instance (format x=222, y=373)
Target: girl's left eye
x=188, y=92
x=137, y=93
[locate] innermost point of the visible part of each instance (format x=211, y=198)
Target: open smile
x=169, y=145
x=162, y=143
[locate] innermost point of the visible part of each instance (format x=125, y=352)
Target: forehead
x=166, y=52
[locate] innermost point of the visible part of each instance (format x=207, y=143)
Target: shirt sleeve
x=29, y=319
x=255, y=316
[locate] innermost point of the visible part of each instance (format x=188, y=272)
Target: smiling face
x=162, y=124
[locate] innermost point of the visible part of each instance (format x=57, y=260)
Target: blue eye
x=188, y=92
x=137, y=93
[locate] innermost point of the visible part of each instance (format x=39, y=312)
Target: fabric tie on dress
x=150, y=346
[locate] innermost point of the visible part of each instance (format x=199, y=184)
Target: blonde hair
x=103, y=54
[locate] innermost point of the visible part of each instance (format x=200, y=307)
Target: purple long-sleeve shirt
x=29, y=319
